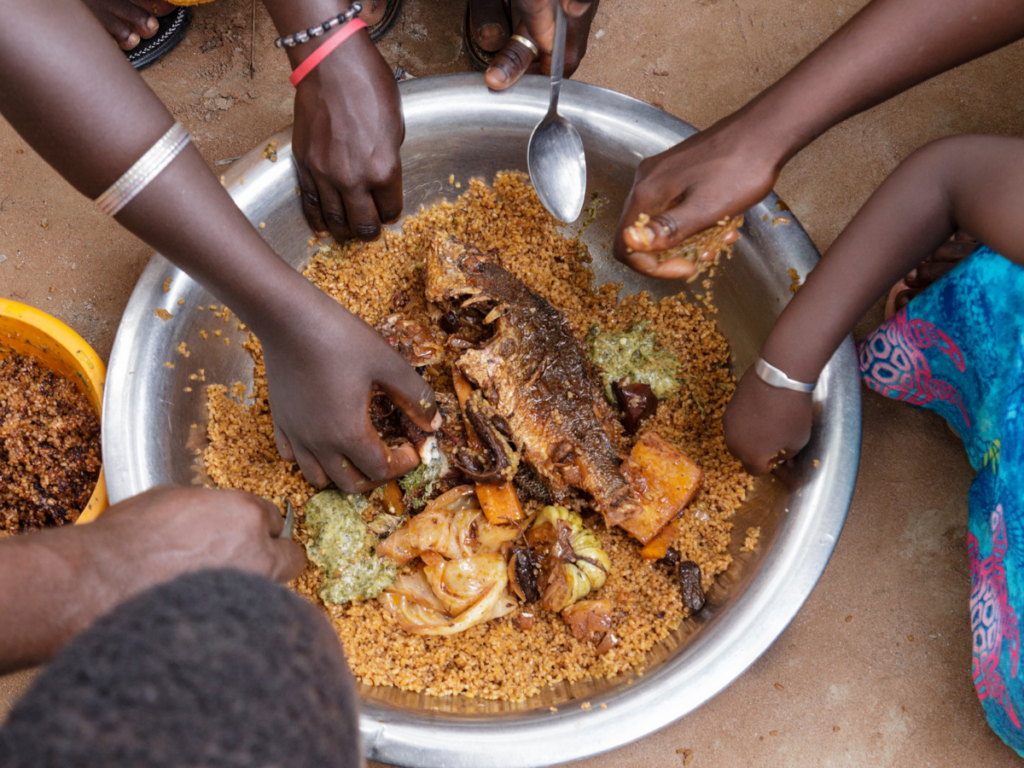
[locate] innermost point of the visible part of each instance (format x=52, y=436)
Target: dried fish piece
x=536, y=377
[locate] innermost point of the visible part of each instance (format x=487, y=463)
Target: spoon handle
x=557, y=57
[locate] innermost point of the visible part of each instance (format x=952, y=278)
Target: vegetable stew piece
x=632, y=357
x=689, y=583
x=393, y=497
x=589, y=620
x=452, y=525
x=523, y=571
x=344, y=550
x=574, y=564
x=636, y=401
x=499, y=503
x=658, y=547
x=663, y=479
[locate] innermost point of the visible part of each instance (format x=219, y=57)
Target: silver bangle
x=146, y=168
x=773, y=377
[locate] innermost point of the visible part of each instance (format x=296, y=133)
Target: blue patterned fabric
x=958, y=349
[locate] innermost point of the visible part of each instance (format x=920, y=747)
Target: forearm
x=91, y=117
x=45, y=597
x=888, y=47
x=974, y=183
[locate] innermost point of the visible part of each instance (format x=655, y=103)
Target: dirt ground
x=875, y=670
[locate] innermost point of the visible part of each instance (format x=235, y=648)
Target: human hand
x=714, y=174
x=535, y=20
x=348, y=131
x=58, y=581
x=321, y=374
x=170, y=530
x=765, y=425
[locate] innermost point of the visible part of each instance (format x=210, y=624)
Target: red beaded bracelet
x=324, y=50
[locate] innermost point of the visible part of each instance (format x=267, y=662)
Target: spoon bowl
x=557, y=167
x=555, y=159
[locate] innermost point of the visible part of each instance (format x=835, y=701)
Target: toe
x=490, y=24
x=137, y=19
x=123, y=34
x=373, y=11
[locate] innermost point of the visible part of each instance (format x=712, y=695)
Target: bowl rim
x=695, y=672
x=90, y=366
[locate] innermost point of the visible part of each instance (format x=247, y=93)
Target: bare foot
x=952, y=252
x=489, y=24
x=373, y=11
x=129, y=21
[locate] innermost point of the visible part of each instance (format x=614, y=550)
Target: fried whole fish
x=536, y=376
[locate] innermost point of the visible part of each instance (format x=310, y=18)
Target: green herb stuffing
x=635, y=356
x=418, y=485
x=344, y=549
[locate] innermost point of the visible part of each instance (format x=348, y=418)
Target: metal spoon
x=554, y=157
x=289, y=523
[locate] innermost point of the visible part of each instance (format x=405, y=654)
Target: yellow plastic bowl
x=30, y=331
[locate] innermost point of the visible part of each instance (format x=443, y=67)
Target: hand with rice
x=720, y=172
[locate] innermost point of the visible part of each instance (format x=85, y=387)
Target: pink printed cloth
x=958, y=349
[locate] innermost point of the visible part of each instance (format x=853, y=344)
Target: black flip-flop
x=172, y=31
x=480, y=59
x=378, y=30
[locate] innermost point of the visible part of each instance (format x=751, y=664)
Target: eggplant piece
x=523, y=572
x=688, y=573
x=636, y=401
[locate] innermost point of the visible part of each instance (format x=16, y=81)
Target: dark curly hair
x=218, y=668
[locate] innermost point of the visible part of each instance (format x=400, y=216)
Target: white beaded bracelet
x=146, y=168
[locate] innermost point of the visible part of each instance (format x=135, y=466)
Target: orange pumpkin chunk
x=663, y=479
x=658, y=547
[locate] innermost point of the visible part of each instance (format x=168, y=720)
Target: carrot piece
x=657, y=547
x=500, y=503
x=393, y=498
x=463, y=388
x=663, y=479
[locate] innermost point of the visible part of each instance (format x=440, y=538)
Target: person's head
x=218, y=668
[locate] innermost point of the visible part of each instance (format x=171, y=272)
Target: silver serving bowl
x=455, y=125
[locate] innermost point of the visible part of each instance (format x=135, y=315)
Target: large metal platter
x=455, y=125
